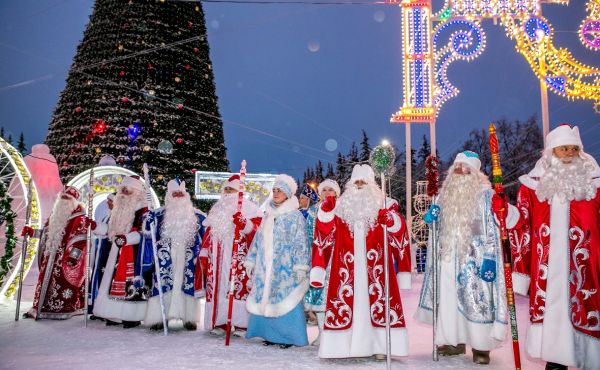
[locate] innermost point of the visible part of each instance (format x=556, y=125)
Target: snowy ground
x=47, y=344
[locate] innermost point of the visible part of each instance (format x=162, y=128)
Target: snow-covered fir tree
x=141, y=83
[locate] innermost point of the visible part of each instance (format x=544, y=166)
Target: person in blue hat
x=472, y=293
x=307, y=198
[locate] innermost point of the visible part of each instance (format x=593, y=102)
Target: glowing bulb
x=385, y=142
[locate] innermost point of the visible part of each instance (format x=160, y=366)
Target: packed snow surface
x=48, y=344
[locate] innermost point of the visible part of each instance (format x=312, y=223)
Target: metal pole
x=408, y=180
x=432, y=137
x=434, y=283
x=24, y=249
x=90, y=209
x=545, y=109
x=388, y=334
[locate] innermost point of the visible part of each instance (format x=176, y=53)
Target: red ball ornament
x=125, y=99
x=196, y=50
x=150, y=67
x=187, y=67
x=78, y=110
x=194, y=171
x=122, y=73
x=179, y=141
x=180, y=106
x=190, y=24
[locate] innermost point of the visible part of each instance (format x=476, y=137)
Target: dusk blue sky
x=300, y=74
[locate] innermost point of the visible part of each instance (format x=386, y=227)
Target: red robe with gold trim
x=66, y=287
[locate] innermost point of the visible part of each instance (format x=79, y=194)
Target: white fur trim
x=362, y=172
x=317, y=277
x=154, y=312
x=288, y=181
x=512, y=217
x=249, y=266
x=397, y=224
x=520, y=283
x=203, y=252
x=281, y=308
x=404, y=280
x=101, y=229
x=346, y=343
x=201, y=293
x=328, y=183
x=325, y=216
x=249, y=227
x=563, y=135
x=301, y=267
x=133, y=238
x=474, y=162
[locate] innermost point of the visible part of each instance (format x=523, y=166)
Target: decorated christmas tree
x=141, y=89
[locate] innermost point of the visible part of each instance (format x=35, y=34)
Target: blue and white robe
x=472, y=293
x=100, y=256
x=177, y=268
x=280, y=260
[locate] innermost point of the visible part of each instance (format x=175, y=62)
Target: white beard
x=122, y=215
x=180, y=224
x=61, y=214
x=220, y=217
x=459, y=202
x=569, y=181
x=360, y=206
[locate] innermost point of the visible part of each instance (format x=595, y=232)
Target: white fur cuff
x=404, y=280
x=520, y=283
x=325, y=216
x=203, y=252
x=200, y=293
x=397, y=224
x=512, y=217
x=133, y=238
x=317, y=277
x=101, y=229
x=301, y=267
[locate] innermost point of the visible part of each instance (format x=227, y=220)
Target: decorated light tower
x=432, y=41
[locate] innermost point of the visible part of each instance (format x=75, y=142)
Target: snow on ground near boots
x=48, y=344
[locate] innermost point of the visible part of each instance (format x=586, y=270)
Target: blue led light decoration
x=466, y=43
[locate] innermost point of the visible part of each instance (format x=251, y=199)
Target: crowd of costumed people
x=319, y=256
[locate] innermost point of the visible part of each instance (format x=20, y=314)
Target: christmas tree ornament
x=98, y=150
x=146, y=148
x=180, y=106
x=177, y=79
x=179, y=141
x=196, y=50
x=122, y=74
x=165, y=147
x=125, y=99
x=120, y=47
x=78, y=110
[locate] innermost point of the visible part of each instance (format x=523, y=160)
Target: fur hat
x=363, y=172
x=310, y=193
x=232, y=182
x=72, y=191
x=563, y=135
x=286, y=184
x=176, y=185
x=328, y=183
x=133, y=182
x=470, y=158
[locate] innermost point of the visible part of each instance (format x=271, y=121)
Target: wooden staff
x=506, y=251
x=236, y=237
x=432, y=170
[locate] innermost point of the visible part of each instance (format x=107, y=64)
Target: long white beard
x=122, y=215
x=61, y=213
x=459, y=202
x=180, y=224
x=220, y=217
x=569, y=181
x=360, y=206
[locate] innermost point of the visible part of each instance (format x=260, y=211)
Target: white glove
x=299, y=275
